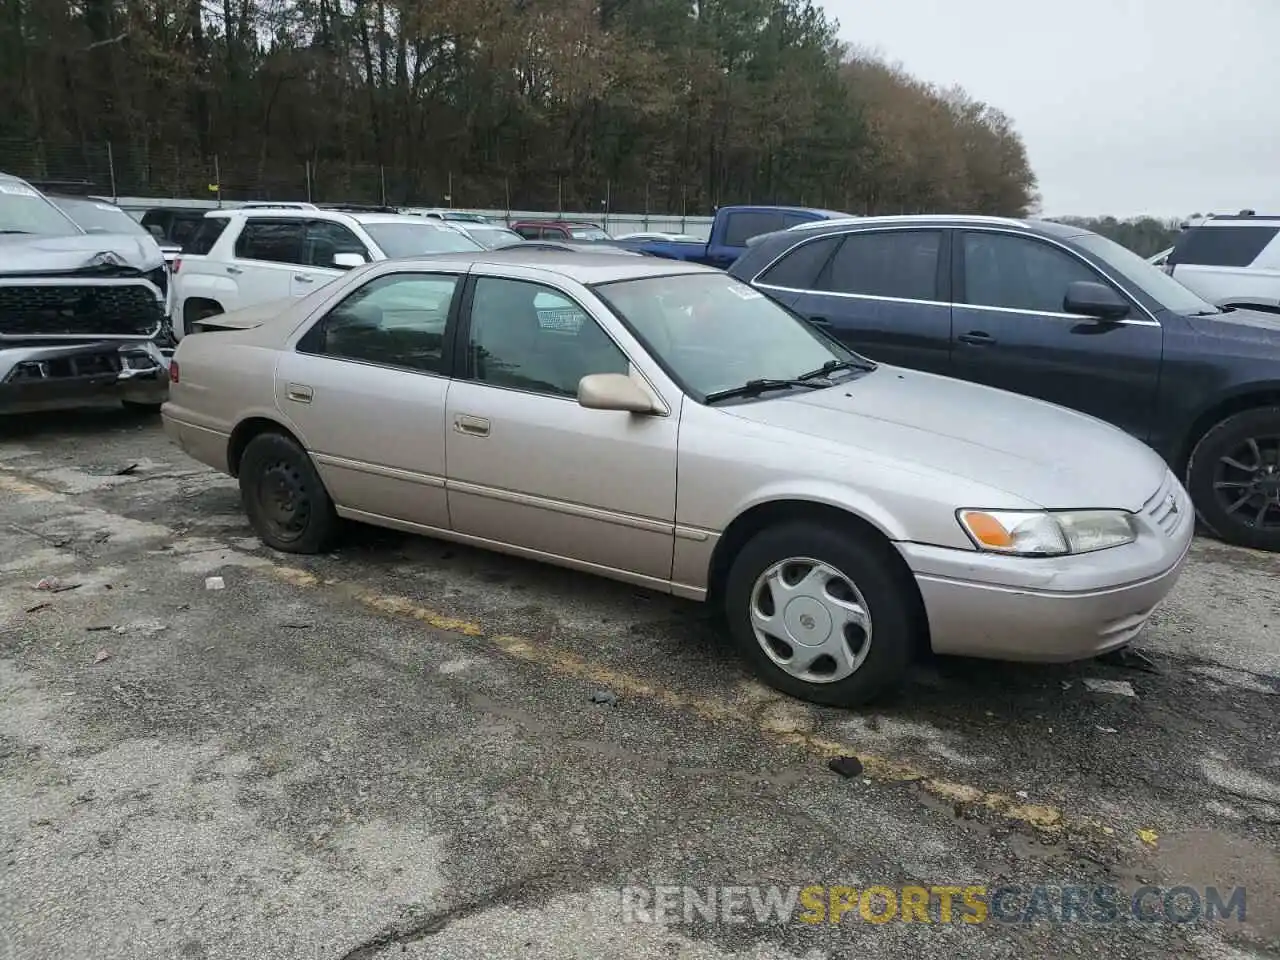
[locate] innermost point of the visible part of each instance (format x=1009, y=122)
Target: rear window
x=743, y=226
x=1233, y=246
x=205, y=236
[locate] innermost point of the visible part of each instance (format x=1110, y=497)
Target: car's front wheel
x=822, y=613
x=1234, y=478
x=284, y=497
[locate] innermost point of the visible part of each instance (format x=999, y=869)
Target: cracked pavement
x=393, y=749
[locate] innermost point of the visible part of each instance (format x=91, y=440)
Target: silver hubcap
x=811, y=620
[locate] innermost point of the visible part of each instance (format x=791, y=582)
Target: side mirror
x=1095, y=300
x=613, y=391
x=345, y=261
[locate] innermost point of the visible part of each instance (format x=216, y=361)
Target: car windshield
x=417, y=239
x=588, y=233
x=714, y=333
x=492, y=237
x=24, y=210
x=97, y=217
x=1150, y=279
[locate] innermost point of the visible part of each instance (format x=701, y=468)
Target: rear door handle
x=303, y=278
x=820, y=321
x=299, y=392
x=472, y=426
x=977, y=338
x=234, y=270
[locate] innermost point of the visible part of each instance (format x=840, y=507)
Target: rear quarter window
x=205, y=236
x=1224, y=246
x=799, y=268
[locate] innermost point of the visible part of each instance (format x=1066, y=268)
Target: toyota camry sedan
x=665, y=424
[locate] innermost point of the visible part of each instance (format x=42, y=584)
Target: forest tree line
x=676, y=105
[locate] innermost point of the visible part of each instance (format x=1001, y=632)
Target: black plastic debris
x=847, y=767
x=606, y=697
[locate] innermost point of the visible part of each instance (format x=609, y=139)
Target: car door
x=323, y=241
x=366, y=388
x=1011, y=330
x=268, y=252
x=881, y=292
x=528, y=466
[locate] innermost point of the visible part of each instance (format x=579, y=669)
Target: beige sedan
x=666, y=425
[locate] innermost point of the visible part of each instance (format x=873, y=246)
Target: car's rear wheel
x=284, y=497
x=822, y=614
x=195, y=311
x=1234, y=478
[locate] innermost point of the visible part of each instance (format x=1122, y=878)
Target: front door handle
x=472, y=426
x=298, y=392
x=234, y=270
x=977, y=338
x=303, y=278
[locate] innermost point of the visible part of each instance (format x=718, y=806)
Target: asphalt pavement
x=408, y=748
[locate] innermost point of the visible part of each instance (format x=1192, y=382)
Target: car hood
x=1255, y=325
x=101, y=254
x=1039, y=452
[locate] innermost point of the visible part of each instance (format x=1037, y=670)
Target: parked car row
x=669, y=425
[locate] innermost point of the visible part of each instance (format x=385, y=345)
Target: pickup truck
x=732, y=229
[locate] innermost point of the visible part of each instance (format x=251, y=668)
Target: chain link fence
x=115, y=171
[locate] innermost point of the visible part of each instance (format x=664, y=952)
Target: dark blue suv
x=1062, y=314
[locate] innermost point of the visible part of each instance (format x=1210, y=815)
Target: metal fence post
x=217, y=179
x=111, y=172
x=307, y=167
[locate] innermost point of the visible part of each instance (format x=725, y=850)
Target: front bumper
x=52, y=377
x=1054, y=608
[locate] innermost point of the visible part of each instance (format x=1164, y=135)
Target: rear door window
x=799, y=269
x=1222, y=246
x=901, y=264
x=326, y=239
x=276, y=241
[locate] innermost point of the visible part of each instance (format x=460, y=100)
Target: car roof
x=586, y=268
x=1033, y=227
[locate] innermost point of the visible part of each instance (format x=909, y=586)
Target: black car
x=1059, y=313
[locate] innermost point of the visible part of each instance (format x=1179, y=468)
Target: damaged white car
x=80, y=313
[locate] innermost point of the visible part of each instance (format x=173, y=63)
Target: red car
x=558, y=230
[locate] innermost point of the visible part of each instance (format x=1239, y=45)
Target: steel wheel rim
x=810, y=620
x=283, y=501
x=1246, y=482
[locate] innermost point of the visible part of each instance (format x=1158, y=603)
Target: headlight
x=1037, y=533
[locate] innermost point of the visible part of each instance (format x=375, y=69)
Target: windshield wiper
x=831, y=366
x=755, y=387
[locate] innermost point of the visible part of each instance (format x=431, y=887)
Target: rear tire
x=1233, y=477
x=823, y=614
x=284, y=497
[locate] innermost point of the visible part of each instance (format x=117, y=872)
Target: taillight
x=173, y=371
x=175, y=264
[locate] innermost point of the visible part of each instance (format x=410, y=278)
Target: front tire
x=821, y=613
x=284, y=497
x=1234, y=479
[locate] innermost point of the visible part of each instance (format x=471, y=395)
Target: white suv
x=250, y=255
x=1230, y=261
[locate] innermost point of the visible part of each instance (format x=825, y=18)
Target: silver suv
x=1231, y=261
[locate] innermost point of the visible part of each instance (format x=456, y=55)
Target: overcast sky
x=1168, y=107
